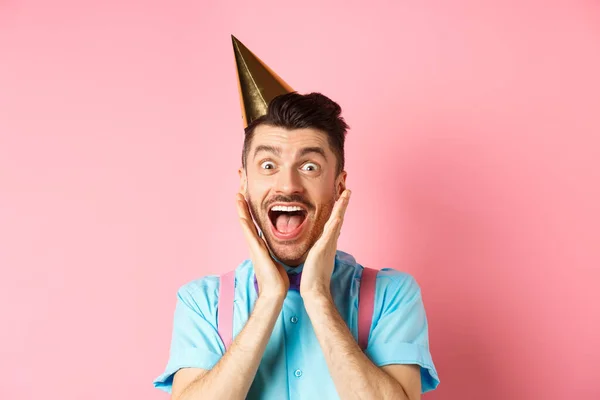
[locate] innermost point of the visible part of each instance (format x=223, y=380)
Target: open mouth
x=287, y=220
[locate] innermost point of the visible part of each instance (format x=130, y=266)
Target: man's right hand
x=232, y=376
x=273, y=281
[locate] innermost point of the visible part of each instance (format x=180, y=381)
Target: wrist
x=317, y=297
x=272, y=299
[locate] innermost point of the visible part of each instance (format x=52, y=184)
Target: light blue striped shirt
x=293, y=365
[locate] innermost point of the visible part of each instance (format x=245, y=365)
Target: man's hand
x=353, y=373
x=272, y=278
x=318, y=267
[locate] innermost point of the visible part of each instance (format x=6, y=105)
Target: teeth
x=286, y=209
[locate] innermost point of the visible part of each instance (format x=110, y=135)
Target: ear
x=340, y=184
x=243, y=180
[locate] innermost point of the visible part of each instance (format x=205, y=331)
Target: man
x=298, y=340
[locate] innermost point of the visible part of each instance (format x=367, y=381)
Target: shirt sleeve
x=399, y=332
x=195, y=341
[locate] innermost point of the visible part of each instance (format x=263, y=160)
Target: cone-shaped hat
x=257, y=83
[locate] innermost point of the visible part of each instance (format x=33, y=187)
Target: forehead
x=289, y=140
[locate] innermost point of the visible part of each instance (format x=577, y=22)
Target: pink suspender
x=366, y=304
x=225, y=308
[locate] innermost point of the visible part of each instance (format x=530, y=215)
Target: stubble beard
x=292, y=252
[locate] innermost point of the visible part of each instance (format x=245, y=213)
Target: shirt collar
x=294, y=274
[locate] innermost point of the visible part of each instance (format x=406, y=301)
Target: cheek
x=324, y=187
x=323, y=197
x=259, y=187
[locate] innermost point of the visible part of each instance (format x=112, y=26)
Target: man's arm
x=354, y=375
x=232, y=376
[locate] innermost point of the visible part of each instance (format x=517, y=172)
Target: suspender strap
x=366, y=304
x=225, y=308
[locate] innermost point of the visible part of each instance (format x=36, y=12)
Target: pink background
x=473, y=159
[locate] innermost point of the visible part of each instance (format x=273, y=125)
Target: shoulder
x=394, y=285
x=386, y=277
x=390, y=281
x=397, y=292
x=394, y=279
x=203, y=292
x=200, y=294
x=396, y=288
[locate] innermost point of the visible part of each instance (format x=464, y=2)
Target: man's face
x=291, y=186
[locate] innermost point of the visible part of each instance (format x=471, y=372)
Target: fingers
x=333, y=227
x=343, y=203
x=339, y=209
x=246, y=222
x=242, y=206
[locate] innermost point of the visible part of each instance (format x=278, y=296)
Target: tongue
x=287, y=223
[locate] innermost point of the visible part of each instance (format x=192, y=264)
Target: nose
x=288, y=182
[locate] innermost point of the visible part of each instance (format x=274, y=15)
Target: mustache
x=294, y=198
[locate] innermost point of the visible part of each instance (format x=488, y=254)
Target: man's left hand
x=318, y=267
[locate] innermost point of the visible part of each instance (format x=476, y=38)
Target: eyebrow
x=317, y=150
x=277, y=151
x=267, y=148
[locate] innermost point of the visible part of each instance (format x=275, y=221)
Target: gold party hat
x=257, y=83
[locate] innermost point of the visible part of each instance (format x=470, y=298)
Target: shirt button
x=298, y=373
x=294, y=319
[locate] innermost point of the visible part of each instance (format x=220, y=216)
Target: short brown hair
x=297, y=111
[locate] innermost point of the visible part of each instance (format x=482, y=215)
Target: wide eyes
x=306, y=167
x=267, y=165
x=310, y=167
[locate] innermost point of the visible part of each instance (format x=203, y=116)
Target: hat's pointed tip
x=257, y=83
x=238, y=47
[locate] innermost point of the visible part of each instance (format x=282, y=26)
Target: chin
x=290, y=243
x=290, y=252
x=290, y=230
